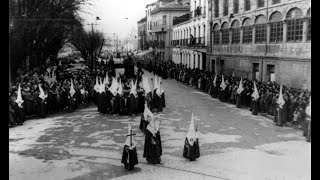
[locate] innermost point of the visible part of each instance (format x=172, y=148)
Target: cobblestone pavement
x=87, y=145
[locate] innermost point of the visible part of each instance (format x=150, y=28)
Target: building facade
x=142, y=34
x=261, y=39
x=189, y=37
x=161, y=27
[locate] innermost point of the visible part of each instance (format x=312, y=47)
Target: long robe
x=191, y=152
x=43, y=108
x=163, y=100
x=157, y=102
x=254, y=107
x=143, y=124
x=20, y=114
x=140, y=102
x=152, y=148
x=103, y=102
x=129, y=157
x=132, y=105
x=72, y=105
x=281, y=115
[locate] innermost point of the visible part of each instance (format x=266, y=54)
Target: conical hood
x=107, y=78
x=147, y=112
x=255, y=93
x=146, y=86
x=215, y=80
x=96, y=86
x=240, y=88
x=155, y=82
x=233, y=74
x=130, y=140
x=191, y=135
x=72, y=91
x=158, y=91
x=41, y=95
x=19, y=100
x=280, y=99
x=153, y=126
x=133, y=89
x=223, y=85
x=113, y=88
x=120, y=88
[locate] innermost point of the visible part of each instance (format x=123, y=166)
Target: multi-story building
x=161, y=25
x=189, y=37
x=261, y=39
x=149, y=8
x=142, y=34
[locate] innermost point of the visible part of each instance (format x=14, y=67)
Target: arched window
x=309, y=25
x=235, y=32
x=276, y=27
x=247, y=31
x=225, y=33
x=216, y=34
x=261, y=29
x=294, y=25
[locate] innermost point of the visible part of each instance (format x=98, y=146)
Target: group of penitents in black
x=149, y=126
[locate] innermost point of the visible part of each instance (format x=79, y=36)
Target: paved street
x=233, y=144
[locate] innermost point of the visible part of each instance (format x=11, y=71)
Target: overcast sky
x=113, y=14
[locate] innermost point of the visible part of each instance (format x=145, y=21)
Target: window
x=294, y=25
x=216, y=37
x=261, y=33
x=260, y=3
x=276, y=1
x=247, y=34
x=164, y=20
x=235, y=6
x=276, y=32
x=309, y=24
x=261, y=29
x=247, y=5
x=225, y=33
x=235, y=32
x=216, y=8
x=225, y=7
x=309, y=30
x=276, y=27
x=216, y=34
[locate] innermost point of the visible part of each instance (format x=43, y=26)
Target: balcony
x=194, y=42
x=157, y=44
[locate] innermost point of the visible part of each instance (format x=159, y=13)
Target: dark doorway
x=221, y=66
x=204, y=62
x=271, y=76
x=213, y=65
x=255, y=71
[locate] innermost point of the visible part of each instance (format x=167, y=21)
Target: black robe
x=20, y=114
x=103, y=102
x=163, y=100
x=72, y=105
x=157, y=102
x=143, y=124
x=152, y=148
x=191, y=152
x=43, y=108
x=141, y=100
x=254, y=107
x=129, y=157
x=132, y=105
x=98, y=101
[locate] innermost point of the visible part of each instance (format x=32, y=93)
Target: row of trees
x=38, y=29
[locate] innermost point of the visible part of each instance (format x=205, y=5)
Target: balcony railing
x=181, y=19
x=190, y=42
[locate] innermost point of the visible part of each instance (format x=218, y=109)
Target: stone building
x=142, y=34
x=161, y=25
x=189, y=37
x=261, y=39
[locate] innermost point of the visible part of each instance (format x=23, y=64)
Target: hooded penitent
x=255, y=93
x=240, y=88
x=223, y=85
x=192, y=134
x=114, y=87
x=308, y=109
x=72, y=91
x=280, y=100
x=19, y=100
x=42, y=95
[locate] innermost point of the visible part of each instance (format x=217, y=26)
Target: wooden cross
x=131, y=137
